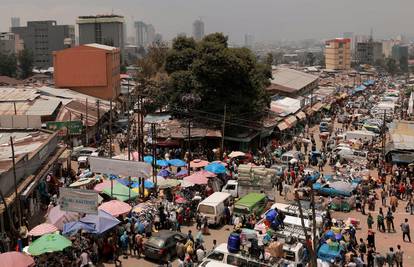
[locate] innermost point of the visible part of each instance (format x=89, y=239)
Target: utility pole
x=14, y=105
x=154, y=154
x=98, y=119
x=86, y=123
x=110, y=142
x=17, y=198
x=222, y=133
x=314, y=237
x=128, y=130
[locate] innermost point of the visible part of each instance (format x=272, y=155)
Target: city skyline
x=268, y=20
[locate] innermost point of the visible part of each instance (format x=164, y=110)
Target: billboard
x=120, y=167
x=78, y=200
x=75, y=127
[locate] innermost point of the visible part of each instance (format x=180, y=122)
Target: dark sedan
x=162, y=245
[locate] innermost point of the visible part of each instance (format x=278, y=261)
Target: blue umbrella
x=162, y=163
x=215, y=168
x=147, y=184
x=102, y=221
x=113, y=177
x=177, y=162
x=182, y=173
x=148, y=159
x=164, y=173
x=72, y=228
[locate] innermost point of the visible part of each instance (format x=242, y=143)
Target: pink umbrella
x=101, y=186
x=58, y=217
x=115, y=207
x=16, y=259
x=196, y=178
x=42, y=229
x=198, y=163
x=206, y=173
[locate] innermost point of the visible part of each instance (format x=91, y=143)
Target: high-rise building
x=368, y=52
x=10, y=43
x=249, y=40
x=15, y=22
x=400, y=55
x=350, y=35
x=387, y=46
x=150, y=34
x=198, y=30
x=140, y=33
x=42, y=38
x=102, y=29
x=338, y=54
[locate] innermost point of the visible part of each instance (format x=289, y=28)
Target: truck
x=360, y=135
x=257, y=179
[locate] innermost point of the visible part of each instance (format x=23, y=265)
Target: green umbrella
x=49, y=243
x=120, y=192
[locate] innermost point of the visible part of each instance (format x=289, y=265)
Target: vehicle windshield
x=156, y=242
x=206, y=209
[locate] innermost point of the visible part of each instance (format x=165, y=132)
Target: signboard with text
x=120, y=167
x=78, y=200
x=65, y=127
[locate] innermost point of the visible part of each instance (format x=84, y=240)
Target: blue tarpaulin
x=177, y=162
x=359, y=88
x=369, y=82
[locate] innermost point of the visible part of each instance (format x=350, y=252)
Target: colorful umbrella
x=42, y=229
x=103, y=221
x=49, y=243
x=164, y=173
x=177, y=162
x=105, y=184
x=148, y=159
x=147, y=184
x=196, y=178
x=58, y=217
x=81, y=182
x=16, y=259
x=121, y=192
x=207, y=173
x=162, y=163
x=115, y=207
x=72, y=228
x=168, y=183
x=198, y=163
x=215, y=168
x=182, y=173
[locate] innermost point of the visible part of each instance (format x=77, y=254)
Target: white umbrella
x=236, y=154
x=342, y=186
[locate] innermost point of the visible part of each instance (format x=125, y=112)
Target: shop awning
x=301, y=115
x=317, y=106
x=291, y=120
x=282, y=126
x=402, y=158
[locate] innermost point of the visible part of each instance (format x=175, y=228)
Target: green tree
x=25, y=63
x=269, y=59
x=218, y=74
x=310, y=59
x=391, y=66
x=8, y=65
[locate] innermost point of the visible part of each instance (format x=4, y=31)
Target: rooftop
x=101, y=46
x=290, y=80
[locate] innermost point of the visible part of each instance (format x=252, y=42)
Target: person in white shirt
x=84, y=257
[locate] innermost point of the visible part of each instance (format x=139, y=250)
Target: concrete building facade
x=368, y=52
x=42, y=38
x=91, y=69
x=10, y=43
x=140, y=33
x=15, y=22
x=338, y=54
x=102, y=29
x=198, y=30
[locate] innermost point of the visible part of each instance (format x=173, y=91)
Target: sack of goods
x=276, y=249
x=244, y=173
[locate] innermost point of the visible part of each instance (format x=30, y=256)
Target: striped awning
x=282, y=126
x=301, y=115
x=291, y=120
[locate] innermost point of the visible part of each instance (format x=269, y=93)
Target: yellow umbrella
x=136, y=190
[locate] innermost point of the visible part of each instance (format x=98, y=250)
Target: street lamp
x=190, y=100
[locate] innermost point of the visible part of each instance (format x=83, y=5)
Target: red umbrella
x=42, y=229
x=196, y=178
x=115, y=207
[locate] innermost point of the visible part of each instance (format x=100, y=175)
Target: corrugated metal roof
x=101, y=46
x=11, y=94
x=292, y=79
x=43, y=107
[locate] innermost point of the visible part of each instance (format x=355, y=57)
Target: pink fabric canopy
x=197, y=178
x=198, y=163
x=206, y=173
x=101, y=186
x=16, y=259
x=115, y=207
x=42, y=229
x=58, y=217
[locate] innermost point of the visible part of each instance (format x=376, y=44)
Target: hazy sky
x=267, y=20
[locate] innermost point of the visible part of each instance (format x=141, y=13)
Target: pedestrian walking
x=390, y=221
x=399, y=256
x=390, y=257
x=370, y=221
x=362, y=248
x=405, y=228
x=380, y=221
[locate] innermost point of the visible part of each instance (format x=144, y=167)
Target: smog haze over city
x=268, y=20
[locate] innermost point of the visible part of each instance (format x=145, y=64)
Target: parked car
x=83, y=152
x=340, y=188
x=162, y=245
x=288, y=156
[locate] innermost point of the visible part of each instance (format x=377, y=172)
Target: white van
x=288, y=156
x=221, y=254
x=360, y=135
x=213, y=207
x=351, y=155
